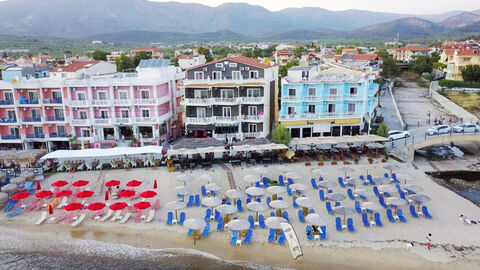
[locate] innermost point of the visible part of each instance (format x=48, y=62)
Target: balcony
x=31, y=119
x=10, y=137
x=99, y=102
x=122, y=102
x=8, y=120
x=146, y=119
x=52, y=101
x=226, y=101
x=223, y=136
x=6, y=102
x=321, y=116
x=36, y=136
x=55, y=119
x=332, y=97
x=79, y=103
x=102, y=121
x=197, y=101
x=199, y=120
x=57, y=135
x=80, y=122
x=252, y=100
x=25, y=102
x=251, y=135
x=311, y=98
x=122, y=121
x=352, y=97
x=227, y=119
x=253, y=118
x=290, y=99
x=208, y=81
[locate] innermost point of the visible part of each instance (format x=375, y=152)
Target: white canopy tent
x=97, y=153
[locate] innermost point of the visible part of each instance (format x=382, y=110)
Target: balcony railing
x=28, y=101
x=145, y=119
x=57, y=135
x=319, y=116
x=126, y=102
x=290, y=99
x=82, y=122
x=10, y=137
x=352, y=96
x=311, y=98
x=55, y=118
x=99, y=102
x=8, y=120
x=251, y=134
x=36, y=136
x=226, y=100
x=252, y=117
x=199, y=120
x=52, y=101
x=102, y=121
x=199, y=101
x=252, y=99
x=6, y=102
x=227, y=118
x=226, y=135
x=79, y=103
x=122, y=121
x=332, y=97
x=31, y=119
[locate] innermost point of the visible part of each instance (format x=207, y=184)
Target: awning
x=347, y=121
x=99, y=153
x=193, y=127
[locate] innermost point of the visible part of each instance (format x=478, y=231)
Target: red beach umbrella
x=126, y=193
x=38, y=185
x=106, y=195
x=59, y=183
x=142, y=205
x=118, y=206
x=21, y=196
x=85, y=194
x=155, y=184
x=43, y=194
x=50, y=209
x=134, y=183
x=63, y=193
x=148, y=194
x=96, y=206
x=80, y=183
x=112, y=183
x=73, y=207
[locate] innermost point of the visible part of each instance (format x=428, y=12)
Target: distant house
x=83, y=68
x=113, y=55
x=409, y=53
x=282, y=57
x=154, y=52
x=24, y=61
x=459, y=60
x=42, y=59
x=15, y=74
x=187, y=61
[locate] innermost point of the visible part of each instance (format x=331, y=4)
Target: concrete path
x=387, y=110
x=231, y=180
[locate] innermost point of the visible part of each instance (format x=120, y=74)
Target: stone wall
x=453, y=108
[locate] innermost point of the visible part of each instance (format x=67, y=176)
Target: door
x=38, y=131
x=82, y=114
x=8, y=97
x=33, y=95
x=57, y=95
x=61, y=130
x=252, y=110
x=332, y=92
x=351, y=108
x=11, y=115
x=59, y=114
x=104, y=114
x=102, y=95
x=291, y=110
x=226, y=93
x=227, y=111
x=331, y=108
x=252, y=128
x=235, y=75
x=124, y=114
x=145, y=94
x=80, y=96
x=201, y=112
x=200, y=94
x=14, y=132
x=35, y=114
x=122, y=95
x=85, y=132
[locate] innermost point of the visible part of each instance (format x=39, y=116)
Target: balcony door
x=59, y=114
x=200, y=94
x=227, y=112
x=35, y=113
x=38, y=130
x=253, y=92
x=226, y=93
x=291, y=111
x=8, y=96
x=122, y=95
x=332, y=91
x=80, y=95
x=82, y=114
x=331, y=108
x=104, y=114
x=252, y=128
x=102, y=95
x=11, y=114
x=201, y=112
x=33, y=95
x=124, y=114
x=14, y=131
x=61, y=130
x=57, y=95
x=236, y=75
x=252, y=110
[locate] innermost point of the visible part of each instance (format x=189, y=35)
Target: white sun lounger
x=116, y=216
x=63, y=203
x=126, y=217
x=151, y=214
x=107, y=216
x=42, y=218
x=79, y=220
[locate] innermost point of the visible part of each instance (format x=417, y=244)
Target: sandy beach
x=454, y=244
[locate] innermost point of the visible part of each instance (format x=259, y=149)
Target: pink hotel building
x=97, y=110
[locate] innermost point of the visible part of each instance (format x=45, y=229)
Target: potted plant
x=334, y=162
x=356, y=161
x=320, y=160
x=346, y=163
x=370, y=160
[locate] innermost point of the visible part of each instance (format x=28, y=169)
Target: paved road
x=387, y=110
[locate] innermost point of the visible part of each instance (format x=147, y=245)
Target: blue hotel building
x=327, y=100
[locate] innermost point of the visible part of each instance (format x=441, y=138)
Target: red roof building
x=154, y=52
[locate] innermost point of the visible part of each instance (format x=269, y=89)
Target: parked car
x=398, y=134
x=465, y=128
x=438, y=129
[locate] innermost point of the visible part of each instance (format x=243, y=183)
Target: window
x=85, y=132
x=253, y=74
x=291, y=110
x=82, y=114
x=37, y=130
x=227, y=112
x=353, y=91
x=14, y=131
x=35, y=113
x=145, y=113
x=200, y=93
x=80, y=95
x=351, y=107
x=252, y=128
x=145, y=94
x=201, y=112
x=163, y=129
x=332, y=91
x=311, y=109
x=198, y=75
x=219, y=65
x=236, y=75
x=59, y=114
x=8, y=96
x=56, y=95
x=124, y=113
x=226, y=93
x=11, y=114
x=292, y=92
x=331, y=108
x=311, y=92
x=61, y=130
x=104, y=114
x=33, y=95
x=253, y=92
x=122, y=95
x=252, y=110
x=102, y=95
x=232, y=65
x=216, y=75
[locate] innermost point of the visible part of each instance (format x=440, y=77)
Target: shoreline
x=140, y=243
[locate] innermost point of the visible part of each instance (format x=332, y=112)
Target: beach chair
x=190, y=201
x=402, y=195
x=290, y=181
x=314, y=183
x=340, y=182
x=382, y=202
x=107, y=216
x=378, y=221
x=350, y=194
x=261, y=221
x=338, y=224
x=220, y=224
x=386, y=175
x=248, y=200
x=289, y=191
x=169, y=218
x=312, y=211
x=390, y=215
x=217, y=214
x=234, y=239
x=295, y=202
x=190, y=232
x=206, y=230
x=377, y=193
x=79, y=220
x=150, y=216
x=204, y=191
x=257, y=184
x=248, y=237
x=280, y=180
x=400, y=216
x=197, y=200
x=271, y=236
x=394, y=176
x=281, y=239
x=338, y=203
x=363, y=179
x=268, y=201
x=370, y=179
x=350, y=225
x=329, y=208
x=265, y=182
x=208, y=214
x=323, y=234
x=358, y=209
x=272, y=214
x=138, y=217
x=181, y=220
x=425, y=212
x=251, y=221
x=309, y=232
x=285, y=215
x=156, y=205
x=14, y=213
x=11, y=204
x=70, y=217
x=321, y=194
x=40, y=204
x=413, y=211
x=42, y=218
x=62, y=203
x=258, y=200
x=239, y=205
x=301, y=217
x=366, y=223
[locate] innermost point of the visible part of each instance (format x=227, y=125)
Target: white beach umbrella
x=211, y=201
x=316, y=219
x=346, y=170
x=367, y=167
x=419, y=198
x=363, y=192
x=195, y=224
x=206, y=177
x=327, y=184
x=279, y=204
x=305, y=202
x=182, y=190
x=355, y=181
x=336, y=197
x=343, y=210
x=226, y=209
x=234, y=193
x=9, y=188
x=256, y=206
x=298, y=186
x=251, y=178
x=238, y=225
x=213, y=187
x=276, y=189
x=275, y=222
x=413, y=188
x=184, y=178
x=175, y=205
x=255, y=191
x=381, y=180
x=286, y=169
x=372, y=206
x=261, y=170
x=292, y=175
x=387, y=188
x=396, y=201
x=319, y=172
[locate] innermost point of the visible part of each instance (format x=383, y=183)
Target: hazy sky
x=395, y=6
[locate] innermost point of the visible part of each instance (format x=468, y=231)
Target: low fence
x=397, y=111
x=453, y=108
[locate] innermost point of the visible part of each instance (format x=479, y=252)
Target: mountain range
x=146, y=21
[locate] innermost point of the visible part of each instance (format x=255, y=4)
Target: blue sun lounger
x=338, y=224
x=280, y=180
x=321, y=194
x=251, y=221
x=190, y=201
x=281, y=239
x=206, y=230
x=350, y=225
x=239, y=205
x=390, y=215
x=312, y=211
x=234, y=239
x=329, y=208
x=301, y=217
x=190, y=232
x=265, y=182
x=289, y=181
x=309, y=232
x=370, y=179
x=197, y=200
x=350, y=194
x=285, y=215
x=382, y=202
x=314, y=183
x=16, y=212
x=413, y=211
x=425, y=212
x=220, y=224
x=208, y=213
x=248, y=237
x=182, y=218
x=169, y=218
x=323, y=234
x=365, y=220
x=271, y=236
x=340, y=182
x=295, y=202
x=378, y=221
x=375, y=190
x=289, y=191
x=10, y=205
x=358, y=209
x=261, y=221
x=400, y=216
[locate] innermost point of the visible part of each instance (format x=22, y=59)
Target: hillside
x=166, y=37
x=409, y=27
x=460, y=20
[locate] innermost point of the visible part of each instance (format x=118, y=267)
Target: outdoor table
x=267, y=159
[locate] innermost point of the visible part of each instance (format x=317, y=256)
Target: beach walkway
x=231, y=181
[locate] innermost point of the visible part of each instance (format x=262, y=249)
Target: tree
x=389, y=67
x=124, y=63
x=471, y=73
x=422, y=64
x=100, y=55
x=298, y=51
x=382, y=130
x=281, y=135
x=206, y=52
x=283, y=70
x=139, y=56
